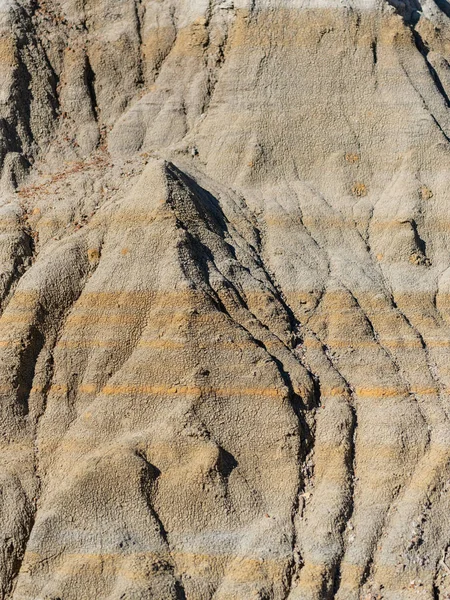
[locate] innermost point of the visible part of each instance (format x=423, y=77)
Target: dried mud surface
x=224, y=300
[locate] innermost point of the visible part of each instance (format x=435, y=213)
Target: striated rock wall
x=224, y=300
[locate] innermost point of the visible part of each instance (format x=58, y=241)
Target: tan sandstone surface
x=224, y=300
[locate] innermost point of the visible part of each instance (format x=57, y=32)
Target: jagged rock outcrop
x=224, y=300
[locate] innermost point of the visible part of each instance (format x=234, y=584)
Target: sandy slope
x=224, y=300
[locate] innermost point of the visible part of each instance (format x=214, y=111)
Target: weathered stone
x=224, y=300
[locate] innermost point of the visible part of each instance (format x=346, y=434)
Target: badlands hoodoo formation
x=224, y=299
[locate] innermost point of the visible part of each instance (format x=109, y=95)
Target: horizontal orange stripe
x=171, y=390
x=245, y=569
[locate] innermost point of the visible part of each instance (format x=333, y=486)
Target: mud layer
x=224, y=300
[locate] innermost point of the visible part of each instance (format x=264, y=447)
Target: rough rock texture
x=224, y=300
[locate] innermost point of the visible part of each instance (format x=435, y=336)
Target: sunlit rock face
x=224, y=300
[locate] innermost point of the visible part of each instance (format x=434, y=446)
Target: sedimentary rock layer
x=224, y=300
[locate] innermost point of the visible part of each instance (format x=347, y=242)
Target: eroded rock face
x=224, y=300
